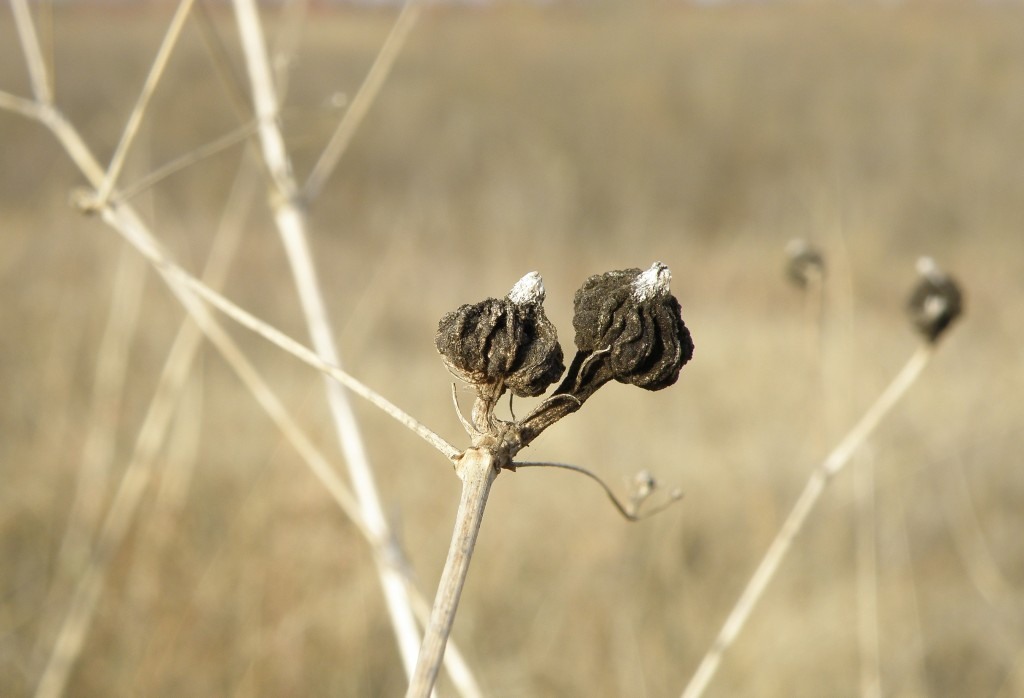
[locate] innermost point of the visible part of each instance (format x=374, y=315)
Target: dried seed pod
x=935, y=302
x=503, y=343
x=633, y=316
x=804, y=263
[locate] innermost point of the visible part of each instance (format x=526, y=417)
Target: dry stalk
x=291, y=223
x=122, y=511
x=794, y=523
x=365, y=97
x=137, y=475
x=867, y=579
x=124, y=220
x=156, y=72
x=629, y=328
x=214, y=147
x=477, y=469
x=30, y=46
x=98, y=450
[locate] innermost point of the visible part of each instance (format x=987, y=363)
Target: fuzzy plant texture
x=629, y=328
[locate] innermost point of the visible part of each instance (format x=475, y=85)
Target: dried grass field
x=569, y=140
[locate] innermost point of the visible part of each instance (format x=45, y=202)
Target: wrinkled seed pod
x=803, y=263
x=507, y=341
x=633, y=313
x=935, y=302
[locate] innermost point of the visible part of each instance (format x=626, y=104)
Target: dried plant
x=629, y=328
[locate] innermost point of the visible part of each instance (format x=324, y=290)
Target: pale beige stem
x=291, y=223
x=20, y=105
x=123, y=219
x=131, y=128
x=867, y=580
x=98, y=451
x=38, y=75
x=798, y=517
x=187, y=160
x=122, y=512
x=365, y=97
x=73, y=631
x=477, y=469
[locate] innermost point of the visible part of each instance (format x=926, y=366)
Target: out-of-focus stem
x=798, y=517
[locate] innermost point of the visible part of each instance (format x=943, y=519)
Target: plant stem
x=477, y=469
x=291, y=223
x=798, y=517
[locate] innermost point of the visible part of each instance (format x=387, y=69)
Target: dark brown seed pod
x=633, y=316
x=935, y=302
x=503, y=343
x=804, y=263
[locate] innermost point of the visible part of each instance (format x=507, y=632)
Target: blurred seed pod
x=935, y=302
x=633, y=316
x=503, y=343
x=804, y=263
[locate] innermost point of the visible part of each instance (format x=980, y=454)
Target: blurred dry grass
x=572, y=142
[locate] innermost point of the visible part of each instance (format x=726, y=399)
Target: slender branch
x=628, y=511
x=116, y=523
x=290, y=345
x=798, y=517
x=187, y=160
x=98, y=450
x=291, y=223
x=33, y=53
x=118, y=520
x=156, y=72
x=137, y=476
x=264, y=97
x=365, y=96
x=20, y=105
x=477, y=469
x=867, y=580
x=136, y=234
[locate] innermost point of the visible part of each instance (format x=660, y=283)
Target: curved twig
x=629, y=512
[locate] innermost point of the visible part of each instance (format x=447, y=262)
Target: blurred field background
x=572, y=140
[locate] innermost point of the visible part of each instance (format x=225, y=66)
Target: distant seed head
x=935, y=302
x=804, y=262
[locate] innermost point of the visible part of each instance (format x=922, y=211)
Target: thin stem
x=131, y=128
x=20, y=105
x=98, y=449
x=291, y=223
x=798, y=516
x=365, y=96
x=293, y=347
x=123, y=219
x=37, y=72
x=628, y=511
x=187, y=160
x=867, y=580
x=477, y=469
x=264, y=96
x=143, y=241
